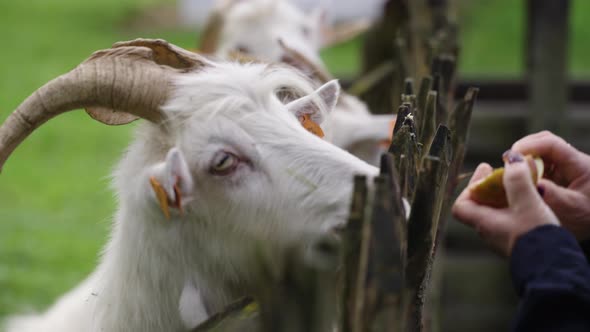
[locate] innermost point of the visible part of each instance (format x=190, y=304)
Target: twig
x=236, y=313
x=368, y=81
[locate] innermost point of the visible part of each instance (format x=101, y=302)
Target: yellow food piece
x=490, y=191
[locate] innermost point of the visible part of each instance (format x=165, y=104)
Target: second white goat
x=277, y=31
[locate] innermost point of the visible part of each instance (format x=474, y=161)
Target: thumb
x=518, y=183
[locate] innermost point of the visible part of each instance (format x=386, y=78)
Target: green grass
x=493, y=38
x=580, y=48
x=344, y=59
x=55, y=201
x=492, y=42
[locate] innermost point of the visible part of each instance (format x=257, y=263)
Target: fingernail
x=511, y=157
x=541, y=190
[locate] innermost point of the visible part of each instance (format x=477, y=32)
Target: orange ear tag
x=311, y=126
x=161, y=196
x=386, y=143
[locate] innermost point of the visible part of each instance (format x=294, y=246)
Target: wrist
x=535, y=251
x=539, y=223
x=585, y=245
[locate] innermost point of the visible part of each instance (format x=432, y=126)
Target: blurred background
x=55, y=200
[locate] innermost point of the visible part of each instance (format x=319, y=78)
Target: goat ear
x=172, y=184
x=327, y=94
x=319, y=17
x=178, y=172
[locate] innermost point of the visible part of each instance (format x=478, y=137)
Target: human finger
x=558, y=197
x=480, y=173
x=518, y=182
x=471, y=213
x=492, y=225
x=570, y=207
x=544, y=143
x=482, y=170
x=554, y=151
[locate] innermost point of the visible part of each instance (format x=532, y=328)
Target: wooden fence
x=379, y=272
x=382, y=262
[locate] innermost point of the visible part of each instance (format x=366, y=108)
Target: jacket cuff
x=539, y=253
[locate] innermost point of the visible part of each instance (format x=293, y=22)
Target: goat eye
x=224, y=163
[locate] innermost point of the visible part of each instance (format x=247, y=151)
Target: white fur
x=292, y=184
x=257, y=25
x=191, y=306
x=352, y=127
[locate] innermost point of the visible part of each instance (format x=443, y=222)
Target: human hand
x=566, y=186
x=500, y=228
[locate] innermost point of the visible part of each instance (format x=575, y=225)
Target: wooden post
x=547, y=53
x=459, y=120
x=301, y=296
x=405, y=149
x=374, y=244
x=381, y=45
x=355, y=260
x=388, y=247
x=423, y=226
x=428, y=126
x=421, y=99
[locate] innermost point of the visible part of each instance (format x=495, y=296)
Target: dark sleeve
x=552, y=277
x=586, y=248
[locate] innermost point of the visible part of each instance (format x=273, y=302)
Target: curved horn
x=132, y=79
x=301, y=62
x=214, y=25
x=344, y=32
x=212, y=33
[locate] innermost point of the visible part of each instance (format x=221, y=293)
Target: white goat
x=255, y=26
x=235, y=167
x=277, y=31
